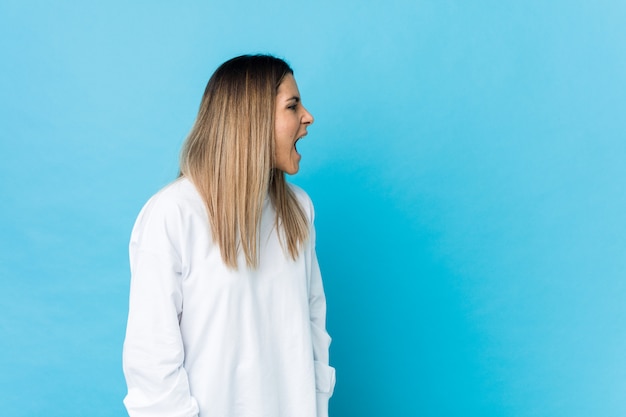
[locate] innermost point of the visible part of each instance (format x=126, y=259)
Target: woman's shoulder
x=303, y=199
x=175, y=198
x=179, y=190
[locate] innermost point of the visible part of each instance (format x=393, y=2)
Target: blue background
x=468, y=165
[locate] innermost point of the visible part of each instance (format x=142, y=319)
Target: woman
x=227, y=309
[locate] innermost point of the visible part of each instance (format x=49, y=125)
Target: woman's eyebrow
x=295, y=98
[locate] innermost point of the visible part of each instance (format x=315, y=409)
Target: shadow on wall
x=401, y=344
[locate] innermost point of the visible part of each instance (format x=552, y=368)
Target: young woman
x=227, y=309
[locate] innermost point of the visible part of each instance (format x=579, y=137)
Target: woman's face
x=292, y=120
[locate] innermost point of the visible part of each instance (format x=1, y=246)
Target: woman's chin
x=293, y=170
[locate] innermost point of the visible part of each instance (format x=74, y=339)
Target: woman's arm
x=153, y=353
x=324, y=374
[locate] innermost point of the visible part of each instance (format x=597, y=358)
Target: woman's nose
x=307, y=118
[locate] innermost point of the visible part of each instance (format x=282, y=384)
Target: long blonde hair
x=229, y=157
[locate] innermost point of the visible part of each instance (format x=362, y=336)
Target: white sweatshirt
x=204, y=340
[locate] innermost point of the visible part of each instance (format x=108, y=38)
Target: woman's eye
x=292, y=107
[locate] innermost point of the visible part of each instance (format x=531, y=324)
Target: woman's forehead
x=288, y=88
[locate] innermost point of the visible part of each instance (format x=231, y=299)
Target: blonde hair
x=229, y=157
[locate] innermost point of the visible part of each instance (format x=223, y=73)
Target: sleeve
x=324, y=374
x=153, y=353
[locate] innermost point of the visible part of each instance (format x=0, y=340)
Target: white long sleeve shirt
x=204, y=340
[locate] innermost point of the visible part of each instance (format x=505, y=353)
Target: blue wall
x=468, y=165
